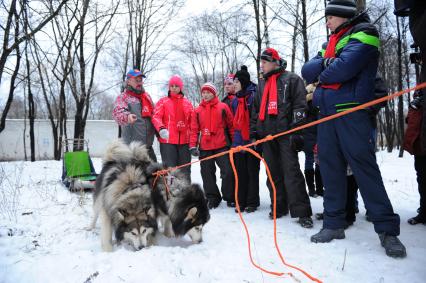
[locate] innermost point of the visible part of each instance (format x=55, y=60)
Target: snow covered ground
x=42, y=238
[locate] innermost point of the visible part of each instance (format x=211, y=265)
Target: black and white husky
x=123, y=197
x=132, y=206
x=181, y=207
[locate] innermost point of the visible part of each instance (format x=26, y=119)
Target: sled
x=78, y=172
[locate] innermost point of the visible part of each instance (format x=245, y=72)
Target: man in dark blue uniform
x=346, y=75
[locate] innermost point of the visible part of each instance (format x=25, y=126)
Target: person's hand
x=131, y=118
x=194, y=151
x=327, y=62
x=296, y=142
x=164, y=134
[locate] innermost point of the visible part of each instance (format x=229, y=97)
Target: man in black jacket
x=280, y=105
x=416, y=10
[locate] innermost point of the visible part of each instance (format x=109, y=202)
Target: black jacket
x=291, y=106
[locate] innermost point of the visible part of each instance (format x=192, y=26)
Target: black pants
x=174, y=155
x=351, y=198
x=284, y=165
x=151, y=153
x=208, y=174
x=420, y=166
x=248, y=179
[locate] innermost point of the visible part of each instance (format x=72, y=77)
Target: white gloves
x=164, y=134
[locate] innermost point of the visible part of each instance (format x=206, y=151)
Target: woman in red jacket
x=212, y=130
x=171, y=119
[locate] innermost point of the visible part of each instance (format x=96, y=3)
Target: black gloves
x=296, y=142
x=194, y=151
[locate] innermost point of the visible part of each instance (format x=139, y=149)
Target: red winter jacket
x=164, y=117
x=224, y=129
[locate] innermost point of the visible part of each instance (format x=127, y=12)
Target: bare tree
x=15, y=17
x=13, y=37
x=10, y=45
x=81, y=78
x=147, y=22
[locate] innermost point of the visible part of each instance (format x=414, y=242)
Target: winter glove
x=194, y=151
x=299, y=117
x=327, y=62
x=164, y=134
x=296, y=142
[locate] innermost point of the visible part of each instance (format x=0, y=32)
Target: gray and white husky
x=123, y=197
x=130, y=203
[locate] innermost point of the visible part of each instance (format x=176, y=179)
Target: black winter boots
x=314, y=182
x=392, y=245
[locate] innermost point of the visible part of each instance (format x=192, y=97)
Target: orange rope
x=274, y=208
x=269, y=138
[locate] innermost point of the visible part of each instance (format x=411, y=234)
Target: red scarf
x=146, y=103
x=242, y=119
x=270, y=95
x=177, y=99
x=209, y=116
x=231, y=97
x=330, y=52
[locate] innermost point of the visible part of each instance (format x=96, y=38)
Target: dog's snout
x=140, y=247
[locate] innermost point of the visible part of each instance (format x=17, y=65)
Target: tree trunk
x=305, y=32
x=400, y=98
x=294, y=38
x=258, y=35
x=265, y=24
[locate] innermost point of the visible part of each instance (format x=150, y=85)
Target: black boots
x=327, y=235
x=314, y=182
x=318, y=181
x=309, y=177
x=392, y=245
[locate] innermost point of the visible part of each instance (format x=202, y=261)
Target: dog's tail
x=139, y=152
x=118, y=151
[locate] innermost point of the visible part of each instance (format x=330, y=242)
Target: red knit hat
x=176, y=80
x=210, y=88
x=271, y=55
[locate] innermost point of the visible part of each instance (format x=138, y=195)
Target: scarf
x=209, y=116
x=270, y=95
x=177, y=99
x=242, y=118
x=146, y=102
x=330, y=52
x=231, y=97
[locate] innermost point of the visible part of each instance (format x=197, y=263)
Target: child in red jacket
x=171, y=119
x=212, y=131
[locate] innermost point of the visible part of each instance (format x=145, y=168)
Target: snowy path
x=49, y=244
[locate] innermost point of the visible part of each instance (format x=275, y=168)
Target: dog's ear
x=191, y=214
